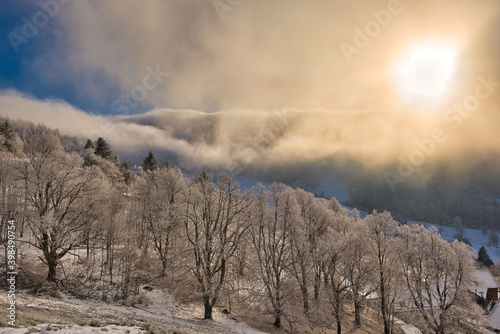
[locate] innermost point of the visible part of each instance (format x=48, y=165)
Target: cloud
x=224, y=101
x=281, y=144
x=263, y=55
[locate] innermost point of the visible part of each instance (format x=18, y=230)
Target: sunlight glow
x=427, y=71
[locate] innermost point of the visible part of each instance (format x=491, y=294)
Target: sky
x=286, y=85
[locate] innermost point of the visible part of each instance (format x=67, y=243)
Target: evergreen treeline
x=429, y=203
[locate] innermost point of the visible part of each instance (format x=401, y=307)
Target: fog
x=283, y=144
x=266, y=89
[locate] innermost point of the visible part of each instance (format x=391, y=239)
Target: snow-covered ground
x=161, y=309
x=327, y=189
x=73, y=329
x=476, y=237
x=407, y=328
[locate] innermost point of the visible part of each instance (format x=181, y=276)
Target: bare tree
x=381, y=228
x=337, y=276
x=338, y=263
x=110, y=228
x=300, y=248
x=437, y=274
x=359, y=267
x=214, y=224
x=11, y=203
x=270, y=232
x=160, y=207
x=57, y=187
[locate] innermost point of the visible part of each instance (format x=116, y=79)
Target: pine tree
x=89, y=144
x=9, y=136
x=484, y=258
x=116, y=160
x=168, y=164
x=150, y=163
x=103, y=149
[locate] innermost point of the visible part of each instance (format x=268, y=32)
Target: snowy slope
x=327, y=188
x=476, y=237
x=161, y=309
x=73, y=329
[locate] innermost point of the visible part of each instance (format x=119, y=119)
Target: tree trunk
x=277, y=322
x=440, y=329
x=317, y=284
x=208, y=308
x=305, y=299
x=338, y=310
x=357, y=305
x=163, y=267
x=277, y=308
x=383, y=309
x=87, y=243
x=357, y=312
x=52, y=270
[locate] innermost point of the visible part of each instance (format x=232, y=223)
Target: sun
x=425, y=72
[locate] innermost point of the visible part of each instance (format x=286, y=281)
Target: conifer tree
x=127, y=173
x=89, y=144
x=483, y=257
x=103, y=149
x=168, y=164
x=150, y=163
x=9, y=136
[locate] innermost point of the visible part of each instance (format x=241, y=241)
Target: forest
x=439, y=201
x=101, y=229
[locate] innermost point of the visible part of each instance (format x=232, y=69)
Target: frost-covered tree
x=336, y=272
x=109, y=166
x=214, y=223
x=359, y=266
x=8, y=136
x=10, y=141
x=168, y=164
x=304, y=238
x=159, y=193
x=274, y=213
x=11, y=203
x=58, y=189
x=437, y=276
x=381, y=228
x=127, y=173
